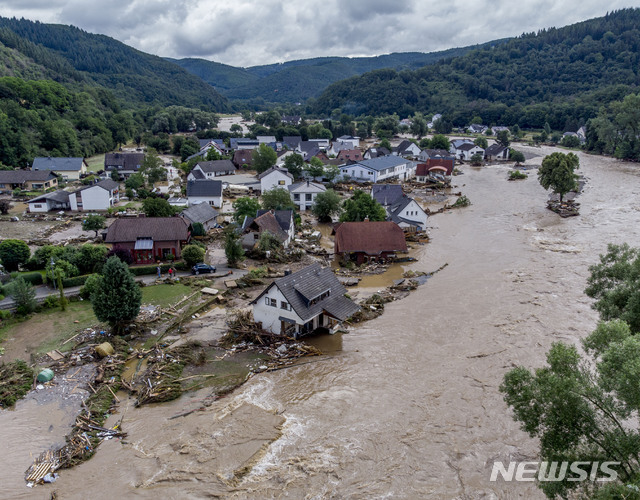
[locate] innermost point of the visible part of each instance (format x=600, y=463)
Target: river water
x=407, y=405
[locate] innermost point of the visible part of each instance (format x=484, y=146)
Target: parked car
x=201, y=268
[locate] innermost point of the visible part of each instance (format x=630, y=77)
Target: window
x=296, y=197
x=281, y=183
x=37, y=205
x=271, y=302
x=285, y=305
x=308, y=197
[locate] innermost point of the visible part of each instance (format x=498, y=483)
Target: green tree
x=556, y=173
x=482, y=142
x=235, y=128
x=362, y=206
x=327, y=205
x=117, y=297
x=277, y=199
x=384, y=143
x=440, y=141
x=24, y=296
x=93, y=223
x=516, y=156
x=315, y=168
x=268, y=242
x=245, y=207
x=157, y=207
x=213, y=155
x=135, y=181
x=14, y=253
x=58, y=275
x=233, y=246
x=331, y=172
x=294, y=163
x=5, y=206
x=263, y=158
x=614, y=283
x=192, y=254
x=570, y=141
x=502, y=138
x=419, y=125
x=476, y=160
x=582, y=414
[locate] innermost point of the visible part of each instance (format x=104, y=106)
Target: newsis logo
x=555, y=471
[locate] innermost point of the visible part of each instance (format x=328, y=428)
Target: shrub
x=122, y=253
x=146, y=270
x=463, y=201
x=192, y=254
x=32, y=278
x=517, y=174
x=14, y=253
x=198, y=229
x=51, y=302
x=4, y=314
x=24, y=296
x=76, y=280
x=90, y=285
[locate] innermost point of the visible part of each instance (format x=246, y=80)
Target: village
x=240, y=271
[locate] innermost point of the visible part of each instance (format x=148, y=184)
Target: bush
x=192, y=254
x=24, y=296
x=90, y=285
x=463, y=201
x=122, y=253
x=14, y=253
x=76, y=280
x=4, y=314
x=146, y=270
x=517, y=174
x=51, y=302
x=198, y=229
x=33, y=278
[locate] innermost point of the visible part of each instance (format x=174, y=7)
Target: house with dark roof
x=68, y=168
x=57, y=200
x=406, y=148
x=309, y=149
x=350, y=155
x=204, y=191
x=379, y=169
x=434, y=167
x=149, y=239
x=292, y=142
x=124, y=163
x=211, y=169
x=496, y=152
x=98, y=196
x=426, y=154
x=243, y=158
x=476, y=128
x=368, y=241
x=279, y=223
x=291, y=119
x=237, y=143
x=27, y=180
x=203, y=213
x=401, y=209
x=302, y=302
x=467, y=150
x=376, y=152
x=352, y=141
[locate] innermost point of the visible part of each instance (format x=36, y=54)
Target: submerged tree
x=556, y=173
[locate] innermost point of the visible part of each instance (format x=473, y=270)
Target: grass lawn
x=164, y=295
x=95, y=163
x=47, y=330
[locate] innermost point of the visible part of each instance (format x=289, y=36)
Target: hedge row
x=34, y=278
x=75, y=280
x=153, y=269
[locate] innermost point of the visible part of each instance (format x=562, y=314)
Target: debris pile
x=565, y=209
x=16, y=379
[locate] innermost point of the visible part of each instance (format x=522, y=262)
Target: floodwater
x=406, y=405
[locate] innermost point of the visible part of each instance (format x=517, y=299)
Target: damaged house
x=302, y=302
x=280, y=223
x=367, y=241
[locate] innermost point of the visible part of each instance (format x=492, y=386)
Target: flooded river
x=407, y=405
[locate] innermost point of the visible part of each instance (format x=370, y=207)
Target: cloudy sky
x=252, y=32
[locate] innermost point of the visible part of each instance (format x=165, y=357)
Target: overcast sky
x=252, y=32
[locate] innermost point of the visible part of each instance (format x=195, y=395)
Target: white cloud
x=247, y=32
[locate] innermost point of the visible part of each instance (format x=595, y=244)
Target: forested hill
x=68, y=54
x=295, y=81
x=557, y=75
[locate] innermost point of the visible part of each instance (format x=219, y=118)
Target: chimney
x=366, y=219
x=287, y=272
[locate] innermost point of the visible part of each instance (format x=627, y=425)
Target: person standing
x=159, y=269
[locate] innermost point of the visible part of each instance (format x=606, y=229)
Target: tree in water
x=556, y=173
x=117, y=297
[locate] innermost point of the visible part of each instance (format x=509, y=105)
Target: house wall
x=40, y=185
x=359, y=172
x=303, y=202
x=151, y=256
x=41, y=206
x=268, y=315
x=361, y=257
x=215, y=201
x=95, y=198
x=274, y=179
x=414, y=213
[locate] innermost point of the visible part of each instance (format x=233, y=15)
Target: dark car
x=201, y=267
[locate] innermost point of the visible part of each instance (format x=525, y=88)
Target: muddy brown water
x=407, y=405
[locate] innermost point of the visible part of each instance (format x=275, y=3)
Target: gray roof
x=468, y=147
x=123, y=161
x=386, y=194
x=301, y=287
x=307, y=187
x=275, y=169
x=494, y=149
x=22, y=176
x=202, y=212
x=204, y=188
x=60, y=196
x=198, y=174
x=62, y=164
x=382, y=162
x=284, y=217
x=217, y=166
x=435, y=153
x=292, y=141
x=106, y=184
